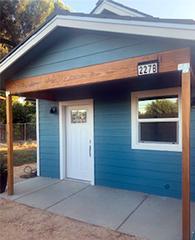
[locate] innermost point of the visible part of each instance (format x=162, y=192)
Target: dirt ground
x=19, y=170
x=20, y=222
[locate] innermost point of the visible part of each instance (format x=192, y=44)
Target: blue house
x=115, y=98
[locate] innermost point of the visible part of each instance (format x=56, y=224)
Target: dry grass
x=21, y=146
x=25, y=152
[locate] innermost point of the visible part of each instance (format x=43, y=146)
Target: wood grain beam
x=9, y=144
x=123, y=69
x=186, y=119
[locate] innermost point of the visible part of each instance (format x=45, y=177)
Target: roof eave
x=144, y=27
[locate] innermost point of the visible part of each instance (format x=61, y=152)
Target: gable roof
x=116, y=8
x=145, y=26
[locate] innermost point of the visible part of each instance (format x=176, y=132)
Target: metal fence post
x=24, y=131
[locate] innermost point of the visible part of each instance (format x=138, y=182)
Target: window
x=78, y=116
x=156, y=120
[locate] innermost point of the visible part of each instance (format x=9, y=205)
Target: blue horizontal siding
x=119, y=166
x=139, y=164
x=48, y=140
x=116, y=164
x=90, y=49
x=145, y=173
x=129, y=156
x=142, y=180
x=46, y=172
x=138, y=188
x=102, y=46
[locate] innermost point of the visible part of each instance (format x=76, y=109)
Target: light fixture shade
x=53, y=110
x=193, y=98
x=193, y=102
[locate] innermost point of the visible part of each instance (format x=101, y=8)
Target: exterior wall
x=119, y=166
x=89, y=49
x=116, y=164
x=48, y=140
x=193, y=153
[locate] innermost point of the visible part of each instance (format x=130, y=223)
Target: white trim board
x=143, y=28
x=119, y=10
x=62, y=134
x=37, y=132
x=135, y=144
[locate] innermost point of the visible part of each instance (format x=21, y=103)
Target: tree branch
x=8, y=42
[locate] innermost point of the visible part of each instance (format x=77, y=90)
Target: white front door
x=79, y=142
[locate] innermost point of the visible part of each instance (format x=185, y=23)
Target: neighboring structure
x=112, y=87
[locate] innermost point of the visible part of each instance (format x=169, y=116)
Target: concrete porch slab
x=158, y=218
x=52, y=194
x=26, y=187
x=147, y=216
x=100, y=206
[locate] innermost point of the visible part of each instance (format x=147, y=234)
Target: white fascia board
x=142, y=28
x=36, y=38
x=117, y=10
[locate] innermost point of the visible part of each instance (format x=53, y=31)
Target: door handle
x=90, y=150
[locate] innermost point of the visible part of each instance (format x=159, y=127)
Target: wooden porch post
x=186, y=110
x=9, y=143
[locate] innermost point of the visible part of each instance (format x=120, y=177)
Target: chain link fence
x=21, y=132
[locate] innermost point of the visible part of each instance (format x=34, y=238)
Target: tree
x=20, y=17
x=161, y=108
x=22, y=112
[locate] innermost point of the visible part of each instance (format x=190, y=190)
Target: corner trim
x=37, y=132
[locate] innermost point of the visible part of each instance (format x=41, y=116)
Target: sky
x=182, y=9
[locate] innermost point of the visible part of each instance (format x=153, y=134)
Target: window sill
x=158, y=147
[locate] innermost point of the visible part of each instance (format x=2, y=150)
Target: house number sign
x=146, y=68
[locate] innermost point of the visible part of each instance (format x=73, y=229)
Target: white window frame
x=135, y=144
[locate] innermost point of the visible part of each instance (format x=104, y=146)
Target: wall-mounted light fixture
x=53, y=110
x=193, y=102
x=193, y=98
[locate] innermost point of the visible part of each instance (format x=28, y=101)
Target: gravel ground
x=21, y=222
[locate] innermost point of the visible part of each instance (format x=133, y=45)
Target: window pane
x=158, y=132
x=78, y=116
x=158, y=107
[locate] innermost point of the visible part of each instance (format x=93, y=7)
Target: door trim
x=62, y=135
x=37, y=134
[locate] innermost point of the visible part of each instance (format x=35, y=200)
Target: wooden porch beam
x=9, y=143
x=122, y=69
x=186, y=110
